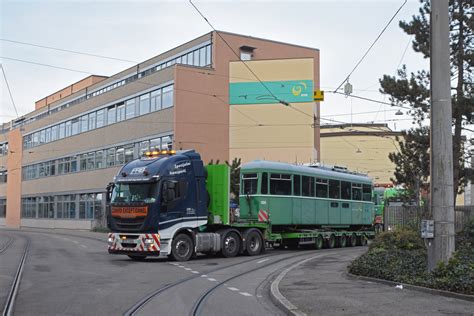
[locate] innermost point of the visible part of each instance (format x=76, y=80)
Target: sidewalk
x=320, y=287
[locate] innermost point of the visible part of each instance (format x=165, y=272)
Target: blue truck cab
x=152, y=199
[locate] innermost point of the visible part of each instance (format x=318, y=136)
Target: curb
x=465, y=297
x=281, y=300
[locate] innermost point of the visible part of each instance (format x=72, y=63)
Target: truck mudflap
x=129, y=243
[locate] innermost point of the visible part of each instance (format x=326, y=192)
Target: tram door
x=334, y=202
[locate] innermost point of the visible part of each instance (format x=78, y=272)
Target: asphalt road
x=71, y=273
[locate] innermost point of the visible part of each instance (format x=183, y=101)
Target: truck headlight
x=149, y=241
x=110, y=241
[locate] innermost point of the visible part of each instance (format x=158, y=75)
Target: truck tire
x=331, y=242
x=343, y=241
x=353, y=240
x=137, y=257
x=363, y=240
x=319, y=243
x=230, y=244
x=253, y=243
x=182, y=248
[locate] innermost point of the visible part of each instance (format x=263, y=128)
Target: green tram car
x=307, y=205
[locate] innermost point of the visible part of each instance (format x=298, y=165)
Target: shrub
x=400, y=256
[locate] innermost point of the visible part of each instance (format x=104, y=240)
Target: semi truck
x=168, y=203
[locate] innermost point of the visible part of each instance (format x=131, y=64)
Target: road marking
x=180, y=266
x=203, y=276
x=245, y=294
x=75, y=241
x=263, y=260
x=188, y=269
x=196, y=272
x=233, y=289
x=83, y=246
x=212, y=279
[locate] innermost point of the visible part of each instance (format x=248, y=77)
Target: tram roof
x=321, y=171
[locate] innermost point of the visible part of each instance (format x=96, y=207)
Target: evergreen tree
x=414, y=90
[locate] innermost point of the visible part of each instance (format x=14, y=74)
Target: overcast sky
x=138, y=30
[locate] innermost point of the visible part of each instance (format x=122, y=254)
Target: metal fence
x=411, y=216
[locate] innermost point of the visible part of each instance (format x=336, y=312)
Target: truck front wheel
x=230, y=244
x=182, y=248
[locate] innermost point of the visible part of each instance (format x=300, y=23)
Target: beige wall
x=266, y=49
x=14, y=178
x=273, y=131
x=341, y=146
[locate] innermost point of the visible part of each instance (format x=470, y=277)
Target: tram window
x=345, y=190
x=308, y=186
x=334, y=189
x=249, y=183
x=366, y=192
x=264, y=189
x=280, y=184
x=357, y=191
x=322, y=188
x=296, y=185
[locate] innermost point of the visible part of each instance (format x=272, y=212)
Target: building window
x=84, y=123
x=120, y=112
x=245, y=55
x=99, y=159
x=167, y=97
x=62, y=130
x=144, y=104
x=129, y=149
x=111, y=115
x=110, y=157
x=3, y=208
x=130, y=109
x=208, y=55
x=54, y=133
x=92, y=121
x=100, y=118
x=68, y=129
x=156, y=100
x=119, y=156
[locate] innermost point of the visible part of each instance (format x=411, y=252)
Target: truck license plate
x=129, y=241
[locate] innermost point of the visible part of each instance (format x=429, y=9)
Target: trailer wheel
x=343, y=241
x=319, y=242
x=363, y=240
x=331, y=242
x=353, y=240
x=230, y=244
x=253, y=243
x=182, y=248
x=137, y=257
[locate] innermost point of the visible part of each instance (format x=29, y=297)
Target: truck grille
x=129, y=224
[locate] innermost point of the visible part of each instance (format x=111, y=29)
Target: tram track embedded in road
x=202, y=299
x=6, y=245
x=140, y=304
x=10, y=302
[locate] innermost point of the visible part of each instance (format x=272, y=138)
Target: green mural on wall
x=291, y=91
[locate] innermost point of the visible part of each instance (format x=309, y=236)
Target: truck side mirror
x=110, y=187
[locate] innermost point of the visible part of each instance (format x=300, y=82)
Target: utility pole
x=442, y=196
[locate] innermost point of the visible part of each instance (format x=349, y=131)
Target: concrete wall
x=57, y=223
x=61, y=94
x=201, y=113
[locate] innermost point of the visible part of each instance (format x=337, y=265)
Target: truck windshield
x=134, y=192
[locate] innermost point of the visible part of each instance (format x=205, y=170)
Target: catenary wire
x=370, y=47
x=67, y=50
x=8, y=88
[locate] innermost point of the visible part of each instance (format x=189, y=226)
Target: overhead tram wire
x=45, y=65
x=9, y=91
x=68, y=50
x=237, y=55
x=372, y=45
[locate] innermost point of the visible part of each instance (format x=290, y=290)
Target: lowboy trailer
x=168, y=204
